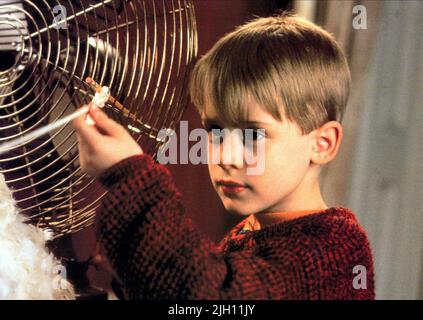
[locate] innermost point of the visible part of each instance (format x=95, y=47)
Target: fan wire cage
x=142, y=50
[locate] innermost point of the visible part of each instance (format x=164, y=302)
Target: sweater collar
x=238, y=238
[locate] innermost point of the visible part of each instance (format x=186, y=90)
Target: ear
x=326, y=142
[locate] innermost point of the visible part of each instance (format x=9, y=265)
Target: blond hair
x=288, y=65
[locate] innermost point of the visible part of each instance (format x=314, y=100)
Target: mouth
x=230, y=187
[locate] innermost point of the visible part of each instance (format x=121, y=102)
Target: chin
x=236, y=210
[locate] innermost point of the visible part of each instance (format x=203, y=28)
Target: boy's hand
x=103, y=144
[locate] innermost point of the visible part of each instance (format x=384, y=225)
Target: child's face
x=285, y=183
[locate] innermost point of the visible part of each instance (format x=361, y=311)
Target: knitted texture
x=158, y=253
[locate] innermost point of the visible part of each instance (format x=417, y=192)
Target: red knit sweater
x=159, y=254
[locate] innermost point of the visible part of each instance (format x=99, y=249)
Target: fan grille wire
x=142, y=50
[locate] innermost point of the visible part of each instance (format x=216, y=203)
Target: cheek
x=212, y=169
x=213, y=153
x=213, y=172
x=287, y=163
x=212, y=157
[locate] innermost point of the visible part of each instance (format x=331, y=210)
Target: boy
x=288, y=81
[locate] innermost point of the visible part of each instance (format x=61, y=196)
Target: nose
x=231, y=150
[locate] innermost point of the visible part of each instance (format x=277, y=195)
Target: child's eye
x=249, y=135
x=211, y=127
x=216, y=134
x=254, y=134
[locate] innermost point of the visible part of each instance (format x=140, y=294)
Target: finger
x=104, y=123
x=86, y=133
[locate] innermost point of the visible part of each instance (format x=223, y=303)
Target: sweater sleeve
x=153, y=247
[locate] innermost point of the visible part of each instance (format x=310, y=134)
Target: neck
x=304, y=200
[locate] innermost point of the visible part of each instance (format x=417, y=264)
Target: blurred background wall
x=385, y=185
x=379, y=170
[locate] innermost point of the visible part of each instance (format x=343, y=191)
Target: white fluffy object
x=27, y=269
x=100, y=99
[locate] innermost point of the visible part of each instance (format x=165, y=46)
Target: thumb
x=104, y=123
x=87, y=133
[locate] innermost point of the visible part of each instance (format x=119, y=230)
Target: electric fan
x=142, y=50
